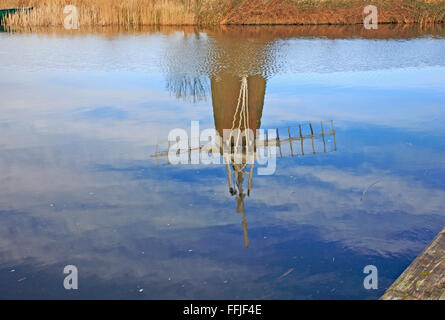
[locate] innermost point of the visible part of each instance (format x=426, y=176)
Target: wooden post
x=322, y=135
x=301, y=140
x=190, y=151
x=168, y=150
x=279, y=144
x=333, y=132
x=290, y=142
x=312, y=137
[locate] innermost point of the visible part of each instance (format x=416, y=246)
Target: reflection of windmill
x=291, y=141
x=237, y=65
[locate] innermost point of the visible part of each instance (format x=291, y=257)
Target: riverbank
x=216, y=12
x=385, y=31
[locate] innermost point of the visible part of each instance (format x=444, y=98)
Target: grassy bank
x=214, y=12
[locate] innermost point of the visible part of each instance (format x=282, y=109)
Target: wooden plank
x=424, y=279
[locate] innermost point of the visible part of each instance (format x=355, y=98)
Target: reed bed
x=133, y=13
x=105, y=12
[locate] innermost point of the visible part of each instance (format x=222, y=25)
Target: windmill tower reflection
x=238, y=93
x=238, y=104
x=238, y=74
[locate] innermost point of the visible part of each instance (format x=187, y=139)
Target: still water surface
x=82, y=115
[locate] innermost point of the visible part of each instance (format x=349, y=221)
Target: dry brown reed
x=131, y=13
x=105, y=12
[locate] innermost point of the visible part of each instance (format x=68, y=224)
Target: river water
x=84, y=118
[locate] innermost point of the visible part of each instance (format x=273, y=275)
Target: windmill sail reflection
x=292, y=141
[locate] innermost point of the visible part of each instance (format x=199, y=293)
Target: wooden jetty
x=424, y=279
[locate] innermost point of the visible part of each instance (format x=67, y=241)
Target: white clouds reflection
x=78, y=183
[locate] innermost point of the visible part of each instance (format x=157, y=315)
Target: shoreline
x=385, y=31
